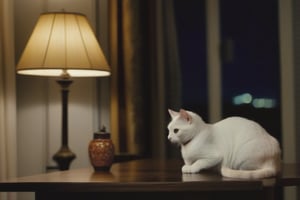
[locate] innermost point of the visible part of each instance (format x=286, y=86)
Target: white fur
x=238, y=147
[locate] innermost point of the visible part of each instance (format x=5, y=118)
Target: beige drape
x=8, y=146
x=127, y=60
x=145, y=74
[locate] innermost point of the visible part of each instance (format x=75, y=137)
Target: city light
x=247, y=98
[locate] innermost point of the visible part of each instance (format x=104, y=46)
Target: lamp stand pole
x=64, y=156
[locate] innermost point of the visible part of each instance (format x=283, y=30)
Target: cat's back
x=236, y=124
x=235, y=120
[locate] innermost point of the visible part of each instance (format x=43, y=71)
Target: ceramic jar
x=101, y=151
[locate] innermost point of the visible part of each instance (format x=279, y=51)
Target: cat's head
x=184, y=125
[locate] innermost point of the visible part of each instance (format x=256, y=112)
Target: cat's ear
x=173, y=113
x=185, y=115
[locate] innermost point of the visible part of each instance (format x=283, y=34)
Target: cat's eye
x=176, y=130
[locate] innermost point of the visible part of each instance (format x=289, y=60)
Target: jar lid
x=102, y=134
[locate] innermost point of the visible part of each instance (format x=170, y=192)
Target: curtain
x=8, y=147
x=145, y=74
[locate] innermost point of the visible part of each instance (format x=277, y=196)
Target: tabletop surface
x=144, y=175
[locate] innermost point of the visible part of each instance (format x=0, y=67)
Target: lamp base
x=64, y=157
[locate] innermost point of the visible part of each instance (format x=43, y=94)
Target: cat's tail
x=248, y=174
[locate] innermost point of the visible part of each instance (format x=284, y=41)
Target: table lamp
x=63, y=45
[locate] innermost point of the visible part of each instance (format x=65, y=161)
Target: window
x=250, y=61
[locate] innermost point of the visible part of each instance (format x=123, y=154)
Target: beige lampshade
x=63, y=42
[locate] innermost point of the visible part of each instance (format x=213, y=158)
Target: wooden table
x=148, y=179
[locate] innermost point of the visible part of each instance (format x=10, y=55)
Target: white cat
x=237, y=147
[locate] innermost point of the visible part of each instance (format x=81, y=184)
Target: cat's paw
x=194, y=169
x=190, y=169
x=186, y=169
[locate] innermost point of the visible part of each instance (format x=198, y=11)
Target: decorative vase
x=101, y=151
